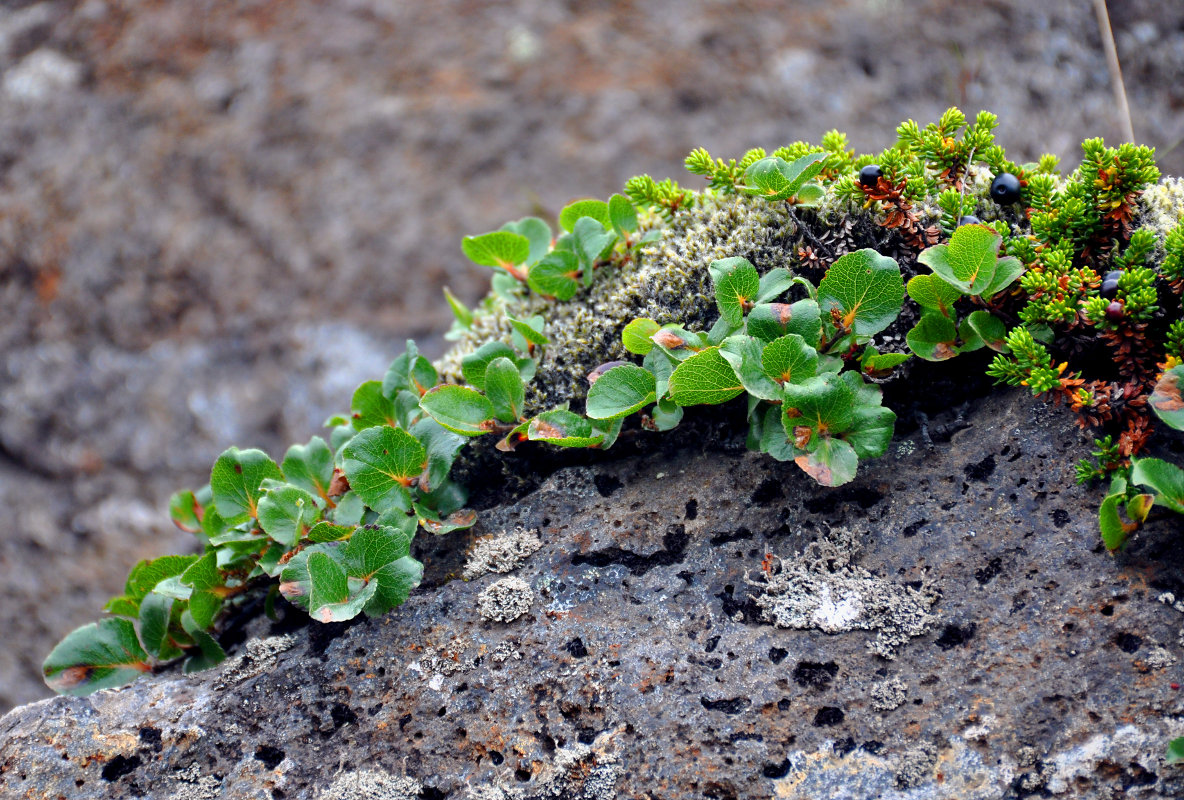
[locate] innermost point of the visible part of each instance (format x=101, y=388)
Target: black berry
x=1114, y=311
x=969, y=219
x=1005, y=189
x=1110, y=284
x=870, y=175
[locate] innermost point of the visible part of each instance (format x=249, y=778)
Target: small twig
x=1115, y=70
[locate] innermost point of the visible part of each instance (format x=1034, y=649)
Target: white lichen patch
x=368, y=784
x=889, y=694
x=580, y=772
x=1162, y=206
x=501, y=554
x=257, y=657
x=506, y=600
x=195, y=786
x=505, y=651
x=821, y=589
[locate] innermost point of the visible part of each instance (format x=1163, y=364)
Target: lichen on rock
x=505, y=600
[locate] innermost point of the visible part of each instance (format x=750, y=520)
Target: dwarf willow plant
x=1056, y=276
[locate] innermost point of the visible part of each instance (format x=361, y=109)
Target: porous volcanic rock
x=1039, y=664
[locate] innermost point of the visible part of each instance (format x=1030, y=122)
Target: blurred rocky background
x=216, y=219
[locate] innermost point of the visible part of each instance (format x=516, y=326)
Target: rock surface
x=1028, y=661
x=210, y=234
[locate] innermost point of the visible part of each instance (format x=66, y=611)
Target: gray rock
x=647, y=667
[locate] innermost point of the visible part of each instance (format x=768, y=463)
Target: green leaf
x=379, y=555
x=497, y=249
x=564, y=429
x=622, y=214
x=100, y=655
x=329, y=532
x=878, y=364
x=809, y=196
x=776, y=179
x=1167, y=399
x=411, y=372
x=678, y=343
x=473, y=365
x=825, y=403
x=990, y=329
x=556, y=275
x=530, y=330
x=1007, y=270
x=610, y=429
x=866, y=287
x=286, y=513
x=1114, y=531
x=774, y=283
x=459, y=310
x=744, y=354
x=1175, y=751
x=933, y=338
x=442, y=447
x=143, y=578
x=591, y=243
x=871, y=430
x=832, y=463
x=371, y=407
x=705, y=378
x=309, y=466
x=333, y=597
x=537, y=232
x=350, y=509
x=434, y=523
x=969, y=261
x=381, y=463
x=460, y=410
x=203, y=573
x=667, y=414
x=1167, y=480
x=773, y=437
x=573, y=212
x=620, y=392
x=504, y=390
x=769, y=321
x=737, y=285
x=788, y=359
x=184, y=510
x=155, y=612
x=930, y=291
x=210, y=652
x=662, y=367
x=636, y=336
x=235, y=482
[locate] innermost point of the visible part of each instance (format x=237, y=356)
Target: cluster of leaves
x=788, y=358
x=330, y=528
x=333, y=523
x=1147, y=482
x=593, y=234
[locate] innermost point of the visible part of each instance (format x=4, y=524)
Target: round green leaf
x=563, y=429
x=100, y=655
x=497, y=249
x=286, y=513
x=235, y=482
x=473, y=365
x=871, y=430
x=1166, y=479
x=990, y=329
x=537, y=232
x=504, y=389
x=596, y=209
x=460, y=410
x=704, y=378
x=622, y=213
x=866, y=287
x=309, y=466
x=621, y=391
x=636, y=336
x=788, y=359
x=825, y=403
x=769, y=321
x=933, y=338
x=371, y=407
x=968, y=262
x=832, y=463
x=736, y=290
x=556, y=275
x=930, y=291
x=381, y=463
